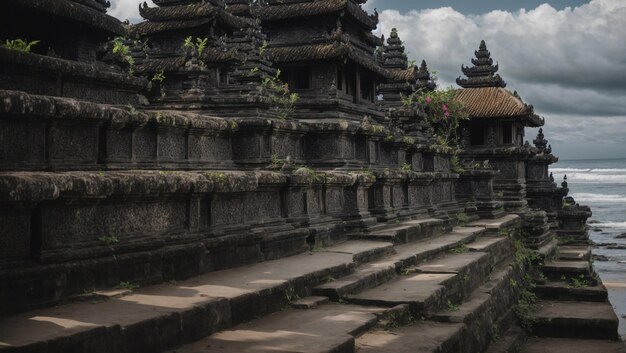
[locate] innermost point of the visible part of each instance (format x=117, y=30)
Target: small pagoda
x=195, y=47
x=331, y=62
x=483, y=73
x=406, y=78
x=494, y=136
x=495, y=131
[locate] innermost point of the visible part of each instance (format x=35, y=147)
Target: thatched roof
x=193, y=11
x=315, y=8
x=496, y=102
x=209, y=55
x=83, y=14
x=327, y=51
x=148, y=27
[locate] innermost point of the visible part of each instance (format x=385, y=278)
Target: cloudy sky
x=566, y=57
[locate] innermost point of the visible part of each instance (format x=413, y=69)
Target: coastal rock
x=600, y=258
x=622, y=236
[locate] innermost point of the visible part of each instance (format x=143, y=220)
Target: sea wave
x=588, y=170
x=588, y=197
x=596, y=178
x=609, y=225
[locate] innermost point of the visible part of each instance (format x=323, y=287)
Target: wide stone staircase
x=443, y=291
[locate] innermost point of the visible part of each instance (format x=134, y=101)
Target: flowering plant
x=442, y=110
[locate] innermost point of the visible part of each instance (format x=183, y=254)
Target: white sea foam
x=610, y=225
x=587, y=197
x=565, y=170
x=596, y=178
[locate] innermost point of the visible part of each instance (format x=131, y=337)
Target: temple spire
x=483, y=73
x=394, y=52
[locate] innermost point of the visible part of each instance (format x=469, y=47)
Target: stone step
x=570, y=345
x=548, y=249
x=568, y=319
x=578, y=291
x=510, y=342
x=155, y=318
x=494, y=226
x=309, y=302
x=422, y=337
x=495, y=296
x=559, y=270
x=486, y=312
x=499, y=248
x=408, y=231
x=362, y=250
x=372, y=274
x=574, y=253
x=328, y=328
x=429, y=287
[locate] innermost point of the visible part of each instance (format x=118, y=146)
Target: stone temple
x=252, y=176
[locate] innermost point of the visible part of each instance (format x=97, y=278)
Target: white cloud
x=570, y=64
x=127, y=9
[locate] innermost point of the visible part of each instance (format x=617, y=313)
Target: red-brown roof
x=496, y=102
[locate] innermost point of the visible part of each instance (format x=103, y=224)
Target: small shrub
x=22, y=45
x=459, y=249
x=109, y=239
x=280, y=96
x=122, y=50
x=128, y=285
x=159, y=76
x=462, y=218
x=579, y=282
x=452, y=306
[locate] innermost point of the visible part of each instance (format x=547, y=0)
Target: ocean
x=601, y=184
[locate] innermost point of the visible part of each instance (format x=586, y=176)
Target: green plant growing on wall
x=121, y=50
x=109, y=239
x=526, y=306
x=459, y=249
x=22, y=45
x=452, y=306
x=310, y=172
x=455, y=164
x=579, y=282
x=158, y=77
x=406, y=167
x=198, y=46
x=282, y=99
x=263, y=47
x=367, y=125
x=462, y=218
x=408, y=140
x=128, y=285
x=276, y=162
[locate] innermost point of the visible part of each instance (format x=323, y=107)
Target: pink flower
x=428, y=99
x=446, y=114
x=445, y=107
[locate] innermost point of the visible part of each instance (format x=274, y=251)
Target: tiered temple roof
x=483, y=73
x=190, y=14
x=81, y=25
x=394, y=56
x=484, y=95
x=404, y=80
x=280, y=10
